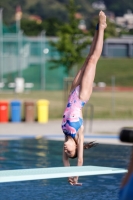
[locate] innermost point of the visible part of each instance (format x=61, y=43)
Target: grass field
x=119, y=105
x=121, y=68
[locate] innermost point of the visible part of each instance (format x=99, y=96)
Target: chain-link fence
x=29, y=57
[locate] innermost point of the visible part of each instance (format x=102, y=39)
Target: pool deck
x=102, y=131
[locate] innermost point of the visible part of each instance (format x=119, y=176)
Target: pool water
x=31, y=153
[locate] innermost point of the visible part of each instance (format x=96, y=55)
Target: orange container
x=3, y=111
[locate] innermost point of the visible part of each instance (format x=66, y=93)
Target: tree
x=72, y=41
x=51, y=26
x=131, y=31
x=31, y=28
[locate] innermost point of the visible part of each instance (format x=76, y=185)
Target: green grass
x=31, y=74
x=108, y=105
x=121, y=68
x=104, y=107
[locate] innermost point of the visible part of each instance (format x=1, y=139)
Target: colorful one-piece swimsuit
x=72, y=120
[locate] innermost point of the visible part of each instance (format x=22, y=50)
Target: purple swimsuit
x=72, y=120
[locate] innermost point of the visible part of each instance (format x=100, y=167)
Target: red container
x=3, y=111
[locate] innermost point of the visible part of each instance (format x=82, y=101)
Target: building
x=126, y=21
x=118, y=47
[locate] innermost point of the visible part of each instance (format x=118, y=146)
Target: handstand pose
x=81, y=89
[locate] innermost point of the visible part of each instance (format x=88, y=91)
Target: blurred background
x=44, y=43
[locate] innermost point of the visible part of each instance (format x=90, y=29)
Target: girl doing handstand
x=81, y=89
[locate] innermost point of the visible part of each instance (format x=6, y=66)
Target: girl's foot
x=102, y=20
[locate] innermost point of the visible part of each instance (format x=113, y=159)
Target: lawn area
x=119, y=105
x=106, y=105
x=121, y=68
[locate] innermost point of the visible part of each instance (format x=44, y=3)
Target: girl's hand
x=70, y=180
x=74, y=181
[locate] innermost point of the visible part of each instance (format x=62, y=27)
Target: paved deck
x=102, y=131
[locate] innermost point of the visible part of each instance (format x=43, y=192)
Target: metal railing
x=88, y=129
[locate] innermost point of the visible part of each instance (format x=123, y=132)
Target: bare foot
x=102, y=20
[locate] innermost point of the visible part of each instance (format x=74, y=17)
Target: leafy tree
x=55, y=8
x=119, y=7
x=131, y=31
x=72, y=41
x=31, y=28
x=48, y=9
x=51, y=26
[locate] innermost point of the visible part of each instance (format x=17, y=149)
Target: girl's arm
x=67, y=164
x=80, y=147
x=80, y=153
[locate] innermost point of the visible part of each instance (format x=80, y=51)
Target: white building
x=126, y=21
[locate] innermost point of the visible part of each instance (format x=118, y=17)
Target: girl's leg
x=78, y=77
x=89, y=71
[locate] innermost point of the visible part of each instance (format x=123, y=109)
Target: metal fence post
x=86, y=117
x=42, y=62
x=113, y=95
x=19, y=53
x=1, y=45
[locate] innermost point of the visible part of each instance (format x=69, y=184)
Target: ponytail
x=89, y=145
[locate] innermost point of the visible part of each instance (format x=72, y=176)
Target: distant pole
x=18, y=25
x=19, y=53
x=42, y=61
x=1, y=45
x=113, y=95
x=18, y=17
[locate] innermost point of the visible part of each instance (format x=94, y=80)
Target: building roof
x=121, y=40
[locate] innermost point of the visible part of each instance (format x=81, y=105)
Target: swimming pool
x=32, y=153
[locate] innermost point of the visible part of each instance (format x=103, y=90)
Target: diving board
x=55, y=172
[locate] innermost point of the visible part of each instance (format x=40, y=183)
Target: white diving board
x=55, y=172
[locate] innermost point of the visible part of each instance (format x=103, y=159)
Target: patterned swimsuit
x=72, y=120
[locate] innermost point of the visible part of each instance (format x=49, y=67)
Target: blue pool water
x=31, y=153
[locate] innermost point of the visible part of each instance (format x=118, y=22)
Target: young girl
x=72, y=124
